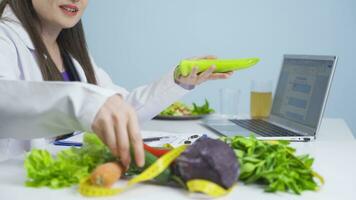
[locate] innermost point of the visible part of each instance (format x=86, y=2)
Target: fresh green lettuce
x=69, y=166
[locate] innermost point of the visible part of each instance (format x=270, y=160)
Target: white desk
x=334, y=154
x=330, y=130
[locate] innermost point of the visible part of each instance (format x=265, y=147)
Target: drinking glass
x=229, y=102
x=261, y=99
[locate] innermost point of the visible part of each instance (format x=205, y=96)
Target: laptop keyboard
x=264, y=128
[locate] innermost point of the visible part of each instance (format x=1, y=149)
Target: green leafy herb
x=273, y=164
x=69, y=166
x=202, y=110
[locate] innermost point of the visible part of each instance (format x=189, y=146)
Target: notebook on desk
x=152, y=138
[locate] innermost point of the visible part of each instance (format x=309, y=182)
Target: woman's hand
x=194, y=78
x=117, y=126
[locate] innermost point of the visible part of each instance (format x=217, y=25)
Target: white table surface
x=331, y=129
x=334, y=152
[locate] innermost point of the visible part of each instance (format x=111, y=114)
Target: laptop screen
x=301, y=90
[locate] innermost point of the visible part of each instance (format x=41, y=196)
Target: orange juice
x=260, y=104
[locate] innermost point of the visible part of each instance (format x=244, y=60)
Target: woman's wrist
x=176, y=77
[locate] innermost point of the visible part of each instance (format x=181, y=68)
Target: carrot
x=107, y=174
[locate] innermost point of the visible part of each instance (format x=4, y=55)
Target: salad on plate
x=180, y=110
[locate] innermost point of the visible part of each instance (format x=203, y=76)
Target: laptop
x=298, y=104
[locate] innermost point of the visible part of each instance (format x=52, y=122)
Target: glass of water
x=229, y=102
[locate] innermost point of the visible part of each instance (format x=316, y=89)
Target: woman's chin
x=66, y=25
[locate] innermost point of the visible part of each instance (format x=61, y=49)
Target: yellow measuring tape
x=203, y=186
x=207, y=187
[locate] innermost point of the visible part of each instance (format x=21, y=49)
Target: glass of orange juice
x=261, y=99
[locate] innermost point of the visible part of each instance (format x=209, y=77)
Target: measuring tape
x=209, y=188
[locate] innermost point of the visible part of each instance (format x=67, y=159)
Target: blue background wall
x=136, y=41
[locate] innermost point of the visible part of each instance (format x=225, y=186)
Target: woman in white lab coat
x=50, y=86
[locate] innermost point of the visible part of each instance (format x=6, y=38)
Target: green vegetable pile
x=274, y=165
x=68, y=167
x=271, y=164
x=73, y=164
x=181, y=109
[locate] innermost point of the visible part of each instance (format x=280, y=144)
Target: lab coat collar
x=13, y=22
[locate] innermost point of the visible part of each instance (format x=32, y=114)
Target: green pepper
x=162, y=178
x=186, y=66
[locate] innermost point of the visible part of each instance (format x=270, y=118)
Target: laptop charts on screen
x=298, y=105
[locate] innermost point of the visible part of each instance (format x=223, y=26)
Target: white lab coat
x=33, y=108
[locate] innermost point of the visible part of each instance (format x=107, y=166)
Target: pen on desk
x=67, y=143
x=152, y=139
x=79, y=144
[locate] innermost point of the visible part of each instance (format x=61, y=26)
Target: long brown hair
x=71, y=40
